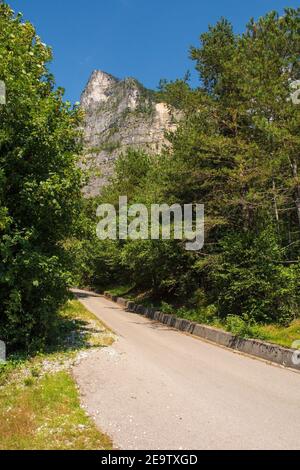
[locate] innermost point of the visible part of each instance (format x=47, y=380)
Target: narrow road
x=157, y=388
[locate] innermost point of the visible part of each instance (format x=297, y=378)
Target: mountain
x=119, y=114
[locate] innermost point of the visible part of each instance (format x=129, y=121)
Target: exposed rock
x=120, y=114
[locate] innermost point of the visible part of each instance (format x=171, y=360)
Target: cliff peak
x=98, y=88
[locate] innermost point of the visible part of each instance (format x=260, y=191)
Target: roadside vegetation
x=284, y=335
x=40, y=202
x=236, y=150
x=40, y=187
x=39, y=401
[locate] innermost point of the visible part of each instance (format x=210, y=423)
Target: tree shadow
x=72, y=335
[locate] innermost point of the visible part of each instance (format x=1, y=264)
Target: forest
x=236, y=150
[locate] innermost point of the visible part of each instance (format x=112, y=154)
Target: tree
x=236, y=149
x=40, y=186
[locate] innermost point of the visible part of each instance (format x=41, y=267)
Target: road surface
x=157, y=388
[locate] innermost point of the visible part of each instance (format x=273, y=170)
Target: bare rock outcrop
x=120, y=114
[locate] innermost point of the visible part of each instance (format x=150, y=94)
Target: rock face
x=119, y=114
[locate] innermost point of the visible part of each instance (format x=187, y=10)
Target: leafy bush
x=40, y=186
x=253, y=281
x=163, y=266
x=243, y=328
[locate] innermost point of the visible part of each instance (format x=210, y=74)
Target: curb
x=254, y=347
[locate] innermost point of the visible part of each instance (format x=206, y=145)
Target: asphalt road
x=157, y=388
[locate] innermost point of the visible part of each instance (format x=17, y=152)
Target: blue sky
x=146, y=39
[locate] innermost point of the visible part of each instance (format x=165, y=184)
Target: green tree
x=236, y=149
x=40, y=186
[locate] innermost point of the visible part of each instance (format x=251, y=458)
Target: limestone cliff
x=119, y=114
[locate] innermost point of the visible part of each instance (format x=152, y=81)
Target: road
x=157, y=388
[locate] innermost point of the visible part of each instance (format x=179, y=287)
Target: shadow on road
x=80, y=294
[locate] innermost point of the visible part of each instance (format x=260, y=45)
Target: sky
x=145, y=39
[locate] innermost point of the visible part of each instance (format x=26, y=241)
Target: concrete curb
x=267, y=351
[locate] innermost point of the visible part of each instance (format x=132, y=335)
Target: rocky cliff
x=119, y=114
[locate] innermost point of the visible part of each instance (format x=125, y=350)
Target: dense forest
x=236, y=150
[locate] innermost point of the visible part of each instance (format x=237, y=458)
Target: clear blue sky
x=146, y=39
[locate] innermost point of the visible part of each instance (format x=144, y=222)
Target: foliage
x=236, y=149
x=94, y=263
x=163, y=266
x=39, y=402
x=40, y=186
x=253, y=281
x=243, y=328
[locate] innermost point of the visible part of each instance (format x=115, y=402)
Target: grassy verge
x=285, y=336
x=39, y=401
x=122, y=291
x=277, y=334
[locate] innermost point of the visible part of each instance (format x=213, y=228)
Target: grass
x=285, y=336
x=46, y=415
x=39, y=400
x=78, y=328
x=122, y=290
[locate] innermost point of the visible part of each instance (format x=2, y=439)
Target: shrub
x=253, y=281
x=40, y=186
